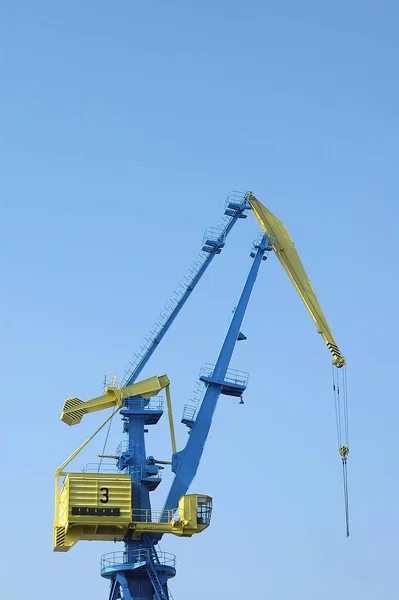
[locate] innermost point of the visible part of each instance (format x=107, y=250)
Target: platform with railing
x=147, y=515
x=151, y=409
x=138, y=473
x=189, y=413
x=122, y=561
x=101, y=467
x=232, y=384
x=154, y=403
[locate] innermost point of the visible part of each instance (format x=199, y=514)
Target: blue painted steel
x=122, y=580
x=185, y=462
x=236, y=213
x=140, y=575
x=158, y=579
x=114, y=590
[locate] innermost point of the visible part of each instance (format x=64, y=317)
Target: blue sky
x=124, y=126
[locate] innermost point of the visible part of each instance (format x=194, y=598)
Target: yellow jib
x=288, y=256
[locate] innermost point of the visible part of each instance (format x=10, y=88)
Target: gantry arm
x=288, y=256
x=185, y=463
x=74, y=409
x=213, y=243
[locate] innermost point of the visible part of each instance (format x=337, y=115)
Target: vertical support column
x=139, y=575
x=135, y=456
x=140, y=585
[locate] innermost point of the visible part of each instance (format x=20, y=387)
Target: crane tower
x=108, y=504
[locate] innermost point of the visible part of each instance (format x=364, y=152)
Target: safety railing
x=198, y=393
x=155, y=403
x=143, y=471
x=144, y=515
x=124, y=446
x=214, y=234
x=189, y=412
x=258, y=240
x=115, y=559
x=178, y=298
x=127, y=447
x=232, y=375
x=100, y=468
x=111, y=380
x=236, y=197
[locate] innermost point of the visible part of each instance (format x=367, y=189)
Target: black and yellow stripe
x=73, y=416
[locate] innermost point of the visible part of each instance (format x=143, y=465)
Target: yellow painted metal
x=59, y=530
x=344, y=451
x=189, y=517
x=98, y=506
x=108, y=494
x=74, y=408
x=100, y=491
x=170, y=415
x=288, y=256
x=186, y=521
x=70, y=458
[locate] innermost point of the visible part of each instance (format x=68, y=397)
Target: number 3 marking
x=105, y=499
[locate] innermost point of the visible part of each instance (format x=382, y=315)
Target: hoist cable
x=345, y=406
x=337, y=407
x=342, y=426
x=346, y=497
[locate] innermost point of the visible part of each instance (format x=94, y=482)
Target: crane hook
x=344, y=451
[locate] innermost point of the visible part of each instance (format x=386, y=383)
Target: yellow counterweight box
x=92, y=506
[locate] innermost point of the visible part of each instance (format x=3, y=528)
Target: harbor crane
x=112, y=502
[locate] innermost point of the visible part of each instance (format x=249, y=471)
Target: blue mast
x=140, y=572
x=218, y=381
